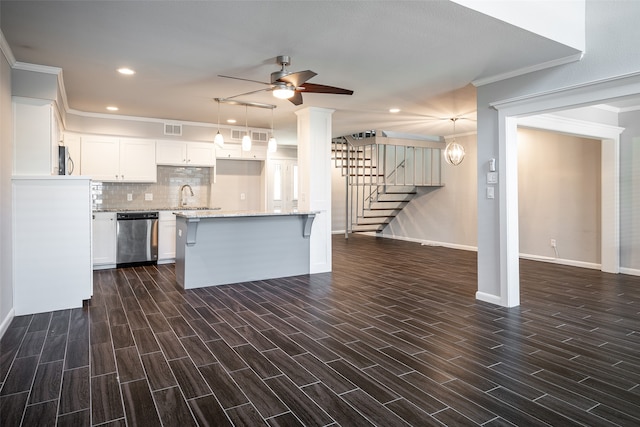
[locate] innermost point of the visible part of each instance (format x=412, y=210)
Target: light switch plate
x=490, y=193
x=492, y=177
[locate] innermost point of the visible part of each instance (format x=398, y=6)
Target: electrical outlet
x=242, y=196
x=129, y=197
x=553, y=243
x=148, y=196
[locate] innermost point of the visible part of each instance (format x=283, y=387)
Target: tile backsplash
x=164, y=194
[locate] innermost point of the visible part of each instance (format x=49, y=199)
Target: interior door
x=282, y=185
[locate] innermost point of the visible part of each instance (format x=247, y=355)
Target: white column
x=314, y=182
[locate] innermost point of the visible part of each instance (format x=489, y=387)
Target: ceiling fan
x=290, y=85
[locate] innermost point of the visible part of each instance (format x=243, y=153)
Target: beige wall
x=559, y=195
x=6, y=155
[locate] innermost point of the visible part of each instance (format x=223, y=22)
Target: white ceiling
x=419, y=56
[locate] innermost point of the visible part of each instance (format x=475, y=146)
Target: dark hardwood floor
x=393, y=336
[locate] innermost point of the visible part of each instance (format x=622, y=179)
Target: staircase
x=381, y=179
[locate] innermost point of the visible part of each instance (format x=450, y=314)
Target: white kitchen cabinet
x=36, y=137
x=180, y=153
x=104, y=240
x=229, y=151
x=257, y=152
x=166, y=237
x=234, y=151
x=121, y=160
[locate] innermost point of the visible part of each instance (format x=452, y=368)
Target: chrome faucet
x=183, y=201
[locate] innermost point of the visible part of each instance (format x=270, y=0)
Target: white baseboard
x=491, y=299
x=6, y=322
x=424, y=242
x=630, y=271
x=569, y=262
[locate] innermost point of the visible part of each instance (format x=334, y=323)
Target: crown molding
x=526, y=70
x=37, y=68
x=6, y=50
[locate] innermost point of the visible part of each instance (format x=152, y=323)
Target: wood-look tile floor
x=393, y=336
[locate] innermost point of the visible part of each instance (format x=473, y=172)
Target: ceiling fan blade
x=314, y=88
x=296, y=99
x=246, y=80
x=298, y=78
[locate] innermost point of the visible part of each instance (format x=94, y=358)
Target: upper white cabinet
x=36, y=137
x=114, y=159
x=257, y=152
x=179, y=153
x=234, y=151
x=229, y=151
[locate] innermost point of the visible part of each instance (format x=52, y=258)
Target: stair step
x=395, y=197
x=388, y=189
x=372, y=213
x=387, y=205
x=364, y=228
x=375, y=220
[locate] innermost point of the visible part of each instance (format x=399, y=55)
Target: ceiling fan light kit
x=283, y=92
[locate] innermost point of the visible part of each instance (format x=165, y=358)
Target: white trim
x=571, y=126
x=526, y=70
x=45, y=69
x=631, y=271
x=425, y=242
x=610, y=176
x=6, y=50
x=562, y=261
x=491, y=299
x=582, y=94
x=508, y=211
x=6, y=322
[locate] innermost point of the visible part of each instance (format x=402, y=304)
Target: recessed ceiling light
x=394, y=110
x=231, y=121
x=112, y=108
x=126, y=71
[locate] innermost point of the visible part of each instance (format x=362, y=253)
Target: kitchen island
x=221, y=247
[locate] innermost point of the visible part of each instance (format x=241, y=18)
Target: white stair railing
x=381, y=178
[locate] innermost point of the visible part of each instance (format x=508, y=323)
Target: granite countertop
x=173, y=209
x=229, y=214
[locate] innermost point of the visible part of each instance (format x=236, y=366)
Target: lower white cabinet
x=104, y=240
x=166, y=237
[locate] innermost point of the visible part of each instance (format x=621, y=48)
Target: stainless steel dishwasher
x=137, y=238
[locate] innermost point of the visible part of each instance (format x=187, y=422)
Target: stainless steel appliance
x=65, y=162
x=137, y=238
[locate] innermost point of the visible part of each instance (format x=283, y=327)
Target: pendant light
x=246, y=139
x=272, y=145
x=219, y=139
x=454, y=152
